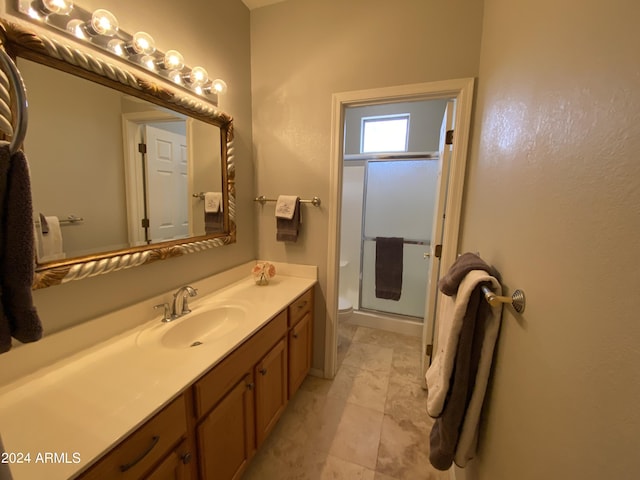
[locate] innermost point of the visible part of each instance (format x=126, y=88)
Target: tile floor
x=368, y=423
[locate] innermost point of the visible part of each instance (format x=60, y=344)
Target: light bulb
x=116, y=46
x=142, y=44
x=175, y=76
x=173, y=60
x=103, y=22
x=60, y=7
x=76, y=28
x=219, y=86
x=33, y=13
x=149, y=62
x=198, y=76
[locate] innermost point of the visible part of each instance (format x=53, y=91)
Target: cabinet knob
x=186, y=458
x=295, y=335
x=263, y=371
x=250, y=386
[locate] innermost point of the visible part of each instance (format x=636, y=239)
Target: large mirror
x=121, y=165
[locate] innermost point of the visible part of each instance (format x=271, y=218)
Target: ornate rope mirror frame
x=19, y=41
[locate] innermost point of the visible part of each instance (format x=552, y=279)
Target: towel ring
x=20, y=97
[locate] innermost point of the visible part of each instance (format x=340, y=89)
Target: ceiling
x=253, y=4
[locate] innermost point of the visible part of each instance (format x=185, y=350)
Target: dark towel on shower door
x=389, y=256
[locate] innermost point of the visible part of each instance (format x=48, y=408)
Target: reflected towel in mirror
x=213, y=218
x=48, y=235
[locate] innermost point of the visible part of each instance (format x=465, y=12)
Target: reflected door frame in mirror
x=20, y=41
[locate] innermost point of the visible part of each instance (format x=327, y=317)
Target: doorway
x=156, y=177
x=390, y=177
x=459, y=91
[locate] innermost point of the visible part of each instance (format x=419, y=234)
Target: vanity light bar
x=101, y=29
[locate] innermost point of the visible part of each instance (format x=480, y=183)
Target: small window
x=387, y=133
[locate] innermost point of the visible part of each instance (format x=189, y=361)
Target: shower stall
x=390, y=194
x=390, y=197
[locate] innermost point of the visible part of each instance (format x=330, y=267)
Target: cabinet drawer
x=210, y=389
x=299, y=307
x=142, y=449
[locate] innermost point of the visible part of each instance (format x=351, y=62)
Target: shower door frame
x=385, y=157
x=459, y=89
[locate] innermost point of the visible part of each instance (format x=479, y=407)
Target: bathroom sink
x=203, y=325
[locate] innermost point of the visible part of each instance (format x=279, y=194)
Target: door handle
x=426, y=255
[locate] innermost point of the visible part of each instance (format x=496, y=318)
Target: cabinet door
x=271, y=389
x=226, y=438
x=299, y=352
x=175, y=467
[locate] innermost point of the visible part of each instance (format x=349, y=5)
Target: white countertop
x=81, y=406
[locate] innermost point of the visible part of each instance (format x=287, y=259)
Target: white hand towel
x=286, y=206
x=49, y=245
x=450, y=318
x=212, y=202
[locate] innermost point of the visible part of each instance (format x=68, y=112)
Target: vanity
x=168, y=400
x=126, y=395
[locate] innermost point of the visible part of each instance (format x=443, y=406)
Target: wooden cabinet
x=239, y=401
x=271, y=390
x=214, y=428
x=226, y=439
x=136, y=456
x=300, y=307
x=300, y=340
x=176, y=466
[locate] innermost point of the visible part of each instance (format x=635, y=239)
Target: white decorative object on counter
x=263, y=272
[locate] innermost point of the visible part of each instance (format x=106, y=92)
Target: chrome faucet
x=180, y=302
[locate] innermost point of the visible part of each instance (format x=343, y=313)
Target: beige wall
x=553, y=200
x=303, y=51
x=215, y=34
x=425, y=119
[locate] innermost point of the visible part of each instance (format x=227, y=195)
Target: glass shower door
x=399, y=201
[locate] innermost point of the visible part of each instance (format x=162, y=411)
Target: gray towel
x=288, y=230
x=18, y=316
x=213, y=223
x=445, y=432
x=465, y=263
x=389, y=266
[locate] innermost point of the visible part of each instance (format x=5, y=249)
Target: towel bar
x=517, y=299
x=315, y=201
x=71, y=219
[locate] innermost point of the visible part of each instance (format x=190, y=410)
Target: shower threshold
x=403, y=324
